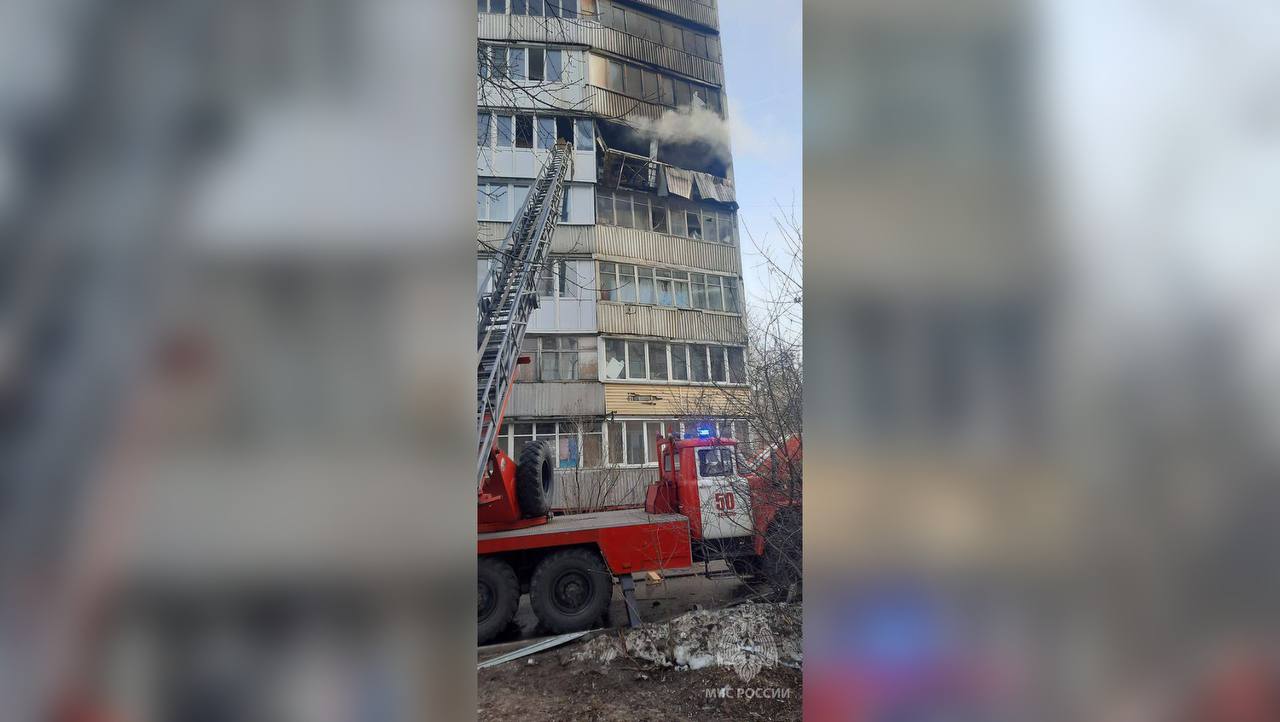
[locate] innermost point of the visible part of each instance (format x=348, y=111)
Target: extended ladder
x=508, y=296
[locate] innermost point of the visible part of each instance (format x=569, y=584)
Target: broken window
x=657, y=362
x=658, y=218
x=546, y=132
x=537, y=64
x=555, y=65
x=709, y=225
x=614, y=359
x=586, y=134
x=564, y=129
x=524, y=131
x=506, y=131
x=694, y=221
x=484, y=125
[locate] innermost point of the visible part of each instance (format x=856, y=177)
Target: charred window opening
x=564, y=129
x=701, y=156
x=524, y=131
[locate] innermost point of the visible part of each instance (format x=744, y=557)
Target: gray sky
x=764, y=80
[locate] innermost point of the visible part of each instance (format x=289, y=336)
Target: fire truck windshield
x=715, y=461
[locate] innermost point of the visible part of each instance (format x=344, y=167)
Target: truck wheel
x=570, y=590
x=534, y=477
x=784, y=552
x=499, y=594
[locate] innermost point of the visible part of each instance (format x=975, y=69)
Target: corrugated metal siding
x=669, y=323
x=605, y=102
x=663, y=400
x=566, y=239
x=595, y=35
x=556, y=399
x=671, y=250
x=595, y=488
x=688, y=9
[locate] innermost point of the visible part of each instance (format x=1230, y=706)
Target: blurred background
x=237, y=281
x=1040, y=341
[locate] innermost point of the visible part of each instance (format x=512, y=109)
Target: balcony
x=695, y=11
x=519, y=28
x=690, y=325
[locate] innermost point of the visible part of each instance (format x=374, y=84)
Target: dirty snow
x=746, y=637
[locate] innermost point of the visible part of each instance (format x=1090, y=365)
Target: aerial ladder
x=514, y=494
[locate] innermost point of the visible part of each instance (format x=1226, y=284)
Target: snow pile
x=746, y=637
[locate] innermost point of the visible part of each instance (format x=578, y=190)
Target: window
x=715, y=461
x=576, y=444
x=635, y=360
x=715, y=300
x=731, y=295
x=699, y=283
x=694, y=222
x=516, y=68
x=695, y=44
x=626, y=283
x=680, y=280
x=564, y=207
x=562, y=8
x=635, y=443
x=657, y=362
x=555, y=65
x=484, y=125
x=672, y=37
x=622, y=209
x=537, y=64
x=616, y=433
x=604, y=208
x=524, y=131
x=608, y=282
x=737, y=366
x=709, y=225
x=649, y=86
x=586, y=134
x=558, y=360
x=658, y=218
x=615, y=76
x=666, y=90
x=698, y=363
x=679, y=362
x=518, y=194
x=725, y=223
x=645, y=276
x=718, y=371
x=615, y=354
x=506, y=132
x=546, y=132
x=519, y=7
x=682, y=93
x=631, y=76
x=678, y=225
x=491, y=202
x=664, y=290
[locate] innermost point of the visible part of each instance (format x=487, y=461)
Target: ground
x=554, y=686
x=555, y=691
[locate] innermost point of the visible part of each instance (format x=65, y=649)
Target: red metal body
x=769, y=495
x=498, y=507
x=630, y=540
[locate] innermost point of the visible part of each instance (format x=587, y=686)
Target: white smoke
x=695, y=125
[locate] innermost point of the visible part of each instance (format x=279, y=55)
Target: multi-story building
x=640, y=328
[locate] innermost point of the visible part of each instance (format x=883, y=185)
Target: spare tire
x=534, y=476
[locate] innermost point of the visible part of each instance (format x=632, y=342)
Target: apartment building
x=640, y=328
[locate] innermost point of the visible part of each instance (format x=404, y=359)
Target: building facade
x=640, y=328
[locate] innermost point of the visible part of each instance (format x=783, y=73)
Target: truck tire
x=783, y=557
x=499, y=595
x=571, y=589
x=534, y=476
